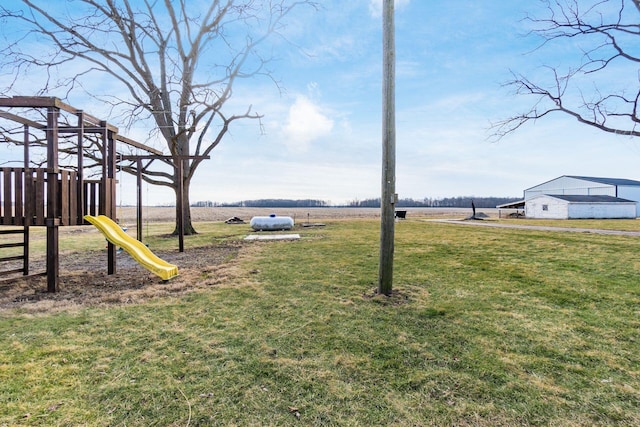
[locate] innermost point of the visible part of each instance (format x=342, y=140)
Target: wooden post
x=102, y=194
x=111, y=174
x=29, y=196
x=52, y=200
x=80, y=183
x=25, y=251
x=180, y=209
x=388, y=199
x=139, y=197
x=107, y=193
x=25, y=141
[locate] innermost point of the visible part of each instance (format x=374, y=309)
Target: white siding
x=555, y=208
x=630, y=193
x=602, y=210
x=562, y=209
x=571, y=186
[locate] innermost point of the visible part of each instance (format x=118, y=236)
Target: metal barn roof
x=518, y=204
x=608, y=181
x=589, y=199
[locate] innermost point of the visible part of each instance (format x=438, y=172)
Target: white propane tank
x=271, y=222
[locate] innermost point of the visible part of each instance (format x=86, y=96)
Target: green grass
x=608, y=224
x=488, y=327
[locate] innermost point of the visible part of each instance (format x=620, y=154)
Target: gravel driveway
x=536, y=227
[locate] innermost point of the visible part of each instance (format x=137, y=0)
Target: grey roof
x=518, y=204
x=608, y=181
x=590, y=199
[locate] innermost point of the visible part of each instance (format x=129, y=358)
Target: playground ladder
x=25, y=252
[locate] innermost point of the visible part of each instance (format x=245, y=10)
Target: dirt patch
x=84, y=280
x=397, y=297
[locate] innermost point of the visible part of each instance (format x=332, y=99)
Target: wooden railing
x=23, y=197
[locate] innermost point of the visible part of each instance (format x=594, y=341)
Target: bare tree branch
x=155, y=50
x=594, y=92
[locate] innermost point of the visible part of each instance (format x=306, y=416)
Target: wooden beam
x=18, y=119
x=87, y=129
x=139, y=145
x=36, y=102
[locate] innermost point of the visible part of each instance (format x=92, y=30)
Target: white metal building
x=620, y=193
x=579, y=207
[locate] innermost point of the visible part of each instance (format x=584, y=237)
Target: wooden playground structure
x=52, y=196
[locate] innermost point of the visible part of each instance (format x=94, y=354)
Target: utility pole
x=389, y=196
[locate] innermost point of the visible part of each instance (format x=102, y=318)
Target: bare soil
x=84, y=280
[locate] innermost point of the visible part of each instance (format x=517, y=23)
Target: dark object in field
x=234, y=220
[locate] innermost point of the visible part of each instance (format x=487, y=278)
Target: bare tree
x=178, y=61
x=602, y=89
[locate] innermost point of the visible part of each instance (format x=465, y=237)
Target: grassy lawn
x=609, y=224
x=488, y=327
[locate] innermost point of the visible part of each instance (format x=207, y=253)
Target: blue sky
x=321, y=136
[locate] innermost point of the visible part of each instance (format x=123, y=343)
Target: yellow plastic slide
x=136, y=249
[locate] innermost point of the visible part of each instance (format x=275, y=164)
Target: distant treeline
x=447, y=202
x=266, y=203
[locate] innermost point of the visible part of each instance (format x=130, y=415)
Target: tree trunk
x=186, y=210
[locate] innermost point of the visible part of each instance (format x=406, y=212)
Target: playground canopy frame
x=52, y=196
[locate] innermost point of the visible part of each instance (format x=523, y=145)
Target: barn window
x=545, y=207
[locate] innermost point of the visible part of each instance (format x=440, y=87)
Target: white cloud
x=305, y=124
x=375, y=6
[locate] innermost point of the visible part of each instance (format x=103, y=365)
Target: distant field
x=163, y=214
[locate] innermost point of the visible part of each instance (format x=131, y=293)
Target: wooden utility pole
x=388, y=199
